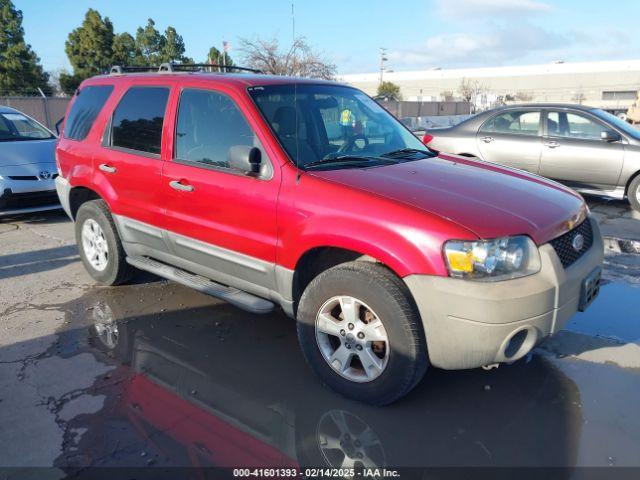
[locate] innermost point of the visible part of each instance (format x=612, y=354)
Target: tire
x=377, y=293
x=115, y=270
x=633, y=194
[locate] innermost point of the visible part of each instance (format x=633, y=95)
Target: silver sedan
x=585, y=148
x=27, y=164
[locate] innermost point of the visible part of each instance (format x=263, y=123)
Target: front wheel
x=634, y=193
x=359, y=331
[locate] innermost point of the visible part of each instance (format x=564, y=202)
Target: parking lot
x=155, y=374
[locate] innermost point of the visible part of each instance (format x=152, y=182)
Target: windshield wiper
x=409, y=153
x=347, y=159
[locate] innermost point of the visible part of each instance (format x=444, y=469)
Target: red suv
x=267, y=190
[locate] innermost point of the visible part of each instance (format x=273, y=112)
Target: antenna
x=295, y=91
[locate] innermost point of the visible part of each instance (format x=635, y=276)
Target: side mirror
x=58, y=124
x=244, y=158
x=609, y=136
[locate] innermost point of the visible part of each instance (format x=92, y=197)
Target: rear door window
x=515, y=122
x=138, y=118
x=84, y=111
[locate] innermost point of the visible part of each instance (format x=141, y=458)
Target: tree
x=524, y=96
x=389, y=90
x=93, y=48
x=69, y=82
x=125, y=51
x=217, y=57
x=150, y=43
x=300, y=60
x=173, y=48
x=90, y=46
x=446, y=95
x=470, y=90
x=20, y=69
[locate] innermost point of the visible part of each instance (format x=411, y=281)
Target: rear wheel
x=633, y=194
x=360, y=332
x=99, y=244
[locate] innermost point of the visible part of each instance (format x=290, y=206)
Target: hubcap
x=352, y=339
x=348, y=442
x=94, y=244
x=106, y=326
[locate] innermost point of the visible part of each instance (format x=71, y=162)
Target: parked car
x=27, y=164
x=585, y=148
x=391, y=257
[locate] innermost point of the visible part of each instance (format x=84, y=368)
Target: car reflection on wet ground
x=203, y=383
x=154, y=375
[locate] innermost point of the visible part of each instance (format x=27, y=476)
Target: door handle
x=178, y=185
x=107, y=168
x=552, y=144
x=487, y=139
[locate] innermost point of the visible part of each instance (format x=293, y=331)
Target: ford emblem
x=578, y=242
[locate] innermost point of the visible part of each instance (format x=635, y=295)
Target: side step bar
x=236, y=297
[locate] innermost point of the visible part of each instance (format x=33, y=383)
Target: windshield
x=18, y=127
x=617, y=122
x=320, y=123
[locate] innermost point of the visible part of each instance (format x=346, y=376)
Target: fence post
x=46, y=108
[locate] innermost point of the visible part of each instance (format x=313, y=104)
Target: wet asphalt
x=153, y=374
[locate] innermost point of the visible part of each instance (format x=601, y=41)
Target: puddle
x=197, y=381
x=614, y=314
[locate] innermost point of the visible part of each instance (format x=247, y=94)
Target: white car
x=27, y=165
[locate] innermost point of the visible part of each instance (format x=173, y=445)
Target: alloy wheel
x=352, y=339
x=94, y=244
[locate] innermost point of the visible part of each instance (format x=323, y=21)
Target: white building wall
x=557, y=82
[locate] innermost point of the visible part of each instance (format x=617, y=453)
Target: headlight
x=492, y=260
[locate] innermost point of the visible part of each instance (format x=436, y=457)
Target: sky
x=419, y=34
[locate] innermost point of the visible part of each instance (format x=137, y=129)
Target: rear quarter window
x=84, y=111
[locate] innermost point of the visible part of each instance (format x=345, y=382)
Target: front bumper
x=24, y=196
x=470, y=324
x=64, y=189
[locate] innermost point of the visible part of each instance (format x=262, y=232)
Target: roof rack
x=180, y=67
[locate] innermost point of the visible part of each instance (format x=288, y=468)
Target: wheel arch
x=631, y=179
x=79, y=195
x=316, y=260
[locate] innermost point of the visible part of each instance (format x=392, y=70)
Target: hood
x=487, y=199
x=27, y=151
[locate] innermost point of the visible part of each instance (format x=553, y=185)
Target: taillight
x=427, y=138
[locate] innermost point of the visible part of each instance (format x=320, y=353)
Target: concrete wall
x=46, y=110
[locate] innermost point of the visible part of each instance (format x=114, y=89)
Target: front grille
x=563, y=245
x=23, y=177
x=30, y=177
x=15, y=201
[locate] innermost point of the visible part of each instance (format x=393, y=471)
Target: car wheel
x=338, y=438
x=633, y=194
x=360, y=332
x=99, y=244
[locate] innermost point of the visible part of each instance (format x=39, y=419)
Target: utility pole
x=383, y=58
x=225, y=47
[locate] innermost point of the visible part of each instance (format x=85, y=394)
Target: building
x=612, y=85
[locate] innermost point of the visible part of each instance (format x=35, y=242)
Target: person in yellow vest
x=347, y=120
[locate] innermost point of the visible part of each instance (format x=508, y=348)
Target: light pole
x=383, y=58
